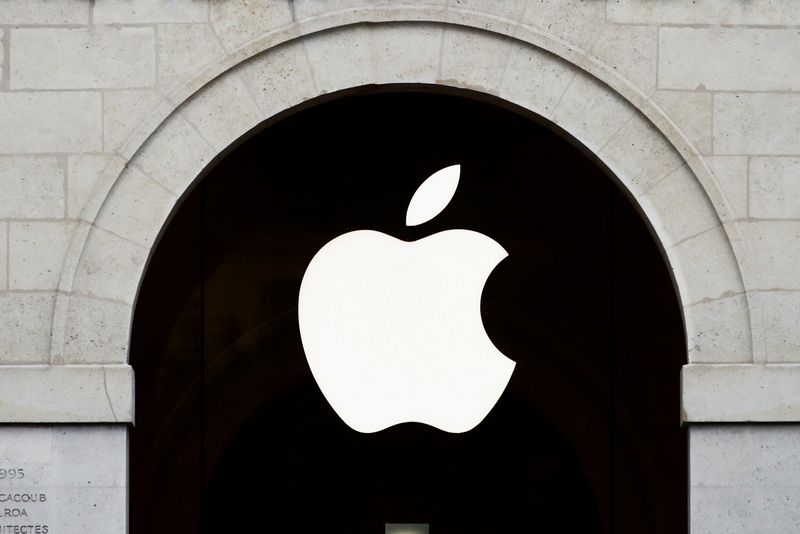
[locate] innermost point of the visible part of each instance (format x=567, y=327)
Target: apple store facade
x=399, y=270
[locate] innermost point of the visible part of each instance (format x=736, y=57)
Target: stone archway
x=625, y=131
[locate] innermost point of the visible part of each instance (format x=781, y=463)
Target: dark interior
x=233, y=434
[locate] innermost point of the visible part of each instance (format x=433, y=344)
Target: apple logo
x=392, y=329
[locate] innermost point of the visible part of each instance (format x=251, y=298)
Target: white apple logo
x=392, y=329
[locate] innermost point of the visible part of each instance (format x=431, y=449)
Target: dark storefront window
x=234, y=435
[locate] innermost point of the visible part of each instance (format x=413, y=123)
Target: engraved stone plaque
x=63, y=479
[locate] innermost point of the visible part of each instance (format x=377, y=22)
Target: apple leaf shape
x=433, y=195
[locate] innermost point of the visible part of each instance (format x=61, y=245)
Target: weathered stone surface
x=305, y=9
x=45, y=12
x=123, y=111
x=730, y=172
x=326, y=53
x=591, y=112
x=717, y=331
x=717, y=12
x=184, y=50
x=578, y=22
x=110, y=267
x=776, y=313
x=678, y=207
x=691, y=112
x=535, y=79
x=731, y=59
x=143, y=11
x=510, y=9
x=409, y=53
x=744, y=478
x=25, y=327
x=32, y=187
x=237, y=23
x=774, y=248
x=36, y=253
x=136, y=207
x=223, y=112
x=631, y=51
x=3, y=255
x=775, y=188
x=639, y=155
x=66, y=394
x=279, y=79
x=473, y=58
x=740, y=392
x=84, y=173
x=50, y=122
x=757, y=123
x=174, y=155
x=97, y=331
x=82, y=58
x=705, y=267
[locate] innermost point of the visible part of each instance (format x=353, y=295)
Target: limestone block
x=84, y=173
x=757, y=123
x=717, y=331
x=578, y=22
x=31, y=187
x=705, y=267
x=279, y=78
x=143, y=11
x=775, y=188
x=678, y=207
x=721, y=12
x=743, y=479
x=755, y=455
x=740, y=392
x=78, y=472
x=36, y=253
x=509, y=9
x=65, y=393
x=123, y=111
x=110, y=267
x=237, y=23
x=777, y=314
x=730, y=174
x=25, y=327
x=405, y=53
x=3, y=255
x=304, y=9
x=223, y=111
x=3, y=66
x=184, y=50
x=591, y=111
x=82, y=58
x=174, y=155
x=535, y=79
x=50, y=122
x=341, y=59
x=45, y=12
x=773, y=249
x=473, y=58
x=639, y=154
x=731, y=59
x=691, y=112
x=136, y=207
x=632, y=52
x=97, y=331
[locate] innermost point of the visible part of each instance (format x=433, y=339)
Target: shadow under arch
x=212, y=391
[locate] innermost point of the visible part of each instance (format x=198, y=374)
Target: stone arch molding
x=627, y=132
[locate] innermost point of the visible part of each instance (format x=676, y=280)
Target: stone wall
x=110, y=109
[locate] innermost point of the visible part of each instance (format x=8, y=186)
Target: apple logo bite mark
x=392, y=329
